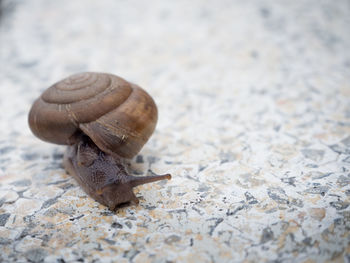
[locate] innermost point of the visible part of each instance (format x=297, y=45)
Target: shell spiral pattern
x=117, y=115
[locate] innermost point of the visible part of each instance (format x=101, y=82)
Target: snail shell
x=101, y=117
x=118, y=116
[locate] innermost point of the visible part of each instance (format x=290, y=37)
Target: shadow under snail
x=103, y=119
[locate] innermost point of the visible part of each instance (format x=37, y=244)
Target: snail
x=103, y=119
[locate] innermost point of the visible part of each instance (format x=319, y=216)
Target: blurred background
x=254, y=125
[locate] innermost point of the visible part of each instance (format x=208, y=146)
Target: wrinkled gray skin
x=101, y=175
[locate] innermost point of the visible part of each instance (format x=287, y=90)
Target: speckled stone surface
x=254, y=126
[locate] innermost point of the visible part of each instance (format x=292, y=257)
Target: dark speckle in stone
x=202, y=167
x=197, y=210
x=67, y=186
x=4, y=218
x=107, y=213
x=250, y=198
x=277, y=128
x=53, y=166
x=346, y=141
x=311, y=165
x=254, y=54
x=25, y=182
x=346, y=215
x=51, y=212
x=29, y=219
x=297, y=202
x=267, y=235
x=171, y=162
x=265, y=12
x=128, y=224
x=6, y=149
x=20, y=193
x=152, y=159
x=36, y=255
x=30, y=156
x=130, y=254
x=278, y=194
x=179, y=211
x=48, y=226
x=57, y=156
x=339, y=149
x=217, y=222
x=49, y=202
x=289, y=180
x=313, y=154
x=203, y=188
x=76, y=218
x=226, y=157
x=139, y=159
x=117, y=225
x=2, y=201
x=347, y=192
x=339, y=205
x=109, y=241
x=315, y=175
x=318, y=189
x=338, y=221
x=231, y=213
x=45, y=238
x=28, y=64
x=5, y=241
x=24, y=233
x=57, y=182
x=347, y=159
x=343, y=180
x=148, y=207
x=172, y=239
x=307, y=241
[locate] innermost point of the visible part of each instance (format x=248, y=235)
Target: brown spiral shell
x=117, y=115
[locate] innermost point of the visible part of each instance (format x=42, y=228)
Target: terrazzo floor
x=254, y=126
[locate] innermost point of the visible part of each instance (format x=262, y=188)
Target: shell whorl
x=117, y=115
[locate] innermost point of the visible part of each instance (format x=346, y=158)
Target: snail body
x=103, y=119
